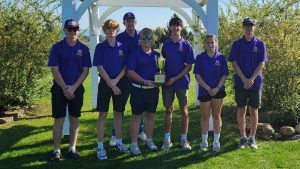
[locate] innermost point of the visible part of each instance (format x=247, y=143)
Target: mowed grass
x=27, y=143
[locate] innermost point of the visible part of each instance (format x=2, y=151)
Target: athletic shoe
x=151, y=145
x=73, y=155
x=167, y=144
x=252, y=143
x=135, y=150
x=113, y=141
x=101, y=154
x=123, y=148
x=142, y=136
x=56, y=157
x=204, y=146
x=216, y=146
x=242, y=143
x=185, y=145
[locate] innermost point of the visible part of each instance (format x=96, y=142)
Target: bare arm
x=69, y=91
x=185, y=71
x=257, y=71
x=247, y=82
x=57, y=77
x=202, y=83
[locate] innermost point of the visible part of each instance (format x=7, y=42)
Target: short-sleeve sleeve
x=225, y=71
x=189, y=54
x=197, y=64
x=98, y=56
x=87, y=58
x=233, y=52
x=54, y=55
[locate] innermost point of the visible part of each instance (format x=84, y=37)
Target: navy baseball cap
x=71, y=23
x=128, y=15
x=249, y=21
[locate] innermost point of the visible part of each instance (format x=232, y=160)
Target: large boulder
x=268, y=129
x=260, y=126
x=296, y=137
x=297, y=129
x=287, y=131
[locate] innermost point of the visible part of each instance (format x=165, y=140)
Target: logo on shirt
x=79, y=52
x=217, y=63
x=255, y=49
x=121, y=52
x=180, y=49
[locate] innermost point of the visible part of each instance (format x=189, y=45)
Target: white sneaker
x=113, y=141
x=216, y=146
x=123, y=148
x=135, y=150
x=142, y=136
x=185, y=145
x=101, y=154
x=151, y=145
x=204, y=146
x=167, y=144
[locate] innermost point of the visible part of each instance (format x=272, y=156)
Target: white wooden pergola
x=70, y=9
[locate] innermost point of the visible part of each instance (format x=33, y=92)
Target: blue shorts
x=143, y=100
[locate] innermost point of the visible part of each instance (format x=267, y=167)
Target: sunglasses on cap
x=146, y=38
x=74, y=29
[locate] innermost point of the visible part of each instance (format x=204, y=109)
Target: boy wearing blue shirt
x=110, y=58
x=179, y=59
x=130, y=38
x=248, y=56
x=141, y=69
x=69, y=61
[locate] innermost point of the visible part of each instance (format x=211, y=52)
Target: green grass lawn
x=27, y=143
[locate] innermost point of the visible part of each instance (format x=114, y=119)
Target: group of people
x=126, y=63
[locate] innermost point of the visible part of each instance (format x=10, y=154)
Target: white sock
x=56, y=151
x=100, y=145
x=119, y=141
x=73, y=149
x=167, y=136
x=183, y=137
x=216, y=138
x=204, y=137
x=245, y=137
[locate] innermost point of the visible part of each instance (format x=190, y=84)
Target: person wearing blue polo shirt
x=69, y=61
x=179, y=59
x=211, y=72
x=141, y=69
x=130, y=38
x=248, y=56
x=111, y=58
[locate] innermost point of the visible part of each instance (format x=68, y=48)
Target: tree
x=28, y=28
x=278, y=26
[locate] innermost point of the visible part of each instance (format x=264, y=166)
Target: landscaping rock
x=287, y=131
x=8, y=119
x=267, y=129
x=260, y=125
x=297, y=129
x=296, y=137
x=263, y=136
x=277, y=136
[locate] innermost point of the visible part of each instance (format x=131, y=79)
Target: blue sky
x=146, y=17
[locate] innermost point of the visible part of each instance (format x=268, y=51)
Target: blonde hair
x=146, y=32
x=108, y=24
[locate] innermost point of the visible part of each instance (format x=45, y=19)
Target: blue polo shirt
x=211, y=70
x=177, y=56
x=69, y=59
x=113, y=59
x=130, y=42
x=143, y=64
x=248, y=55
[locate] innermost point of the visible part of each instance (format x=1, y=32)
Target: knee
x=169, y=110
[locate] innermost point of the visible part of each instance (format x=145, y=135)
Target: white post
x=94, y=40
x=68, y=12
x=212, y=28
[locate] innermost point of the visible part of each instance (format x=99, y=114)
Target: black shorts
x=220, y=95
x=105, y=93
x=143, y=100
x=60, y=102
x=244, y=97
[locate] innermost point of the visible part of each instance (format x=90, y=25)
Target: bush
x=278, y=26
x=27, y=31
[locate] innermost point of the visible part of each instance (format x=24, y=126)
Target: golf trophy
x=160, y=76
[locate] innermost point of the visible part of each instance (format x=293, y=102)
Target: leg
x=168, y=119
x=135, y=121
x=57, y=132
x=100, y=126
x=73, y=131
x=241, y=113
x=184, y=120
x=118, y=124
x=205, y=108
x=253, y=120
x=149, y=124
x=216, y=114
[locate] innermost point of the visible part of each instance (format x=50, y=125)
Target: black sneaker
x=73, y=155
x=56, y=157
